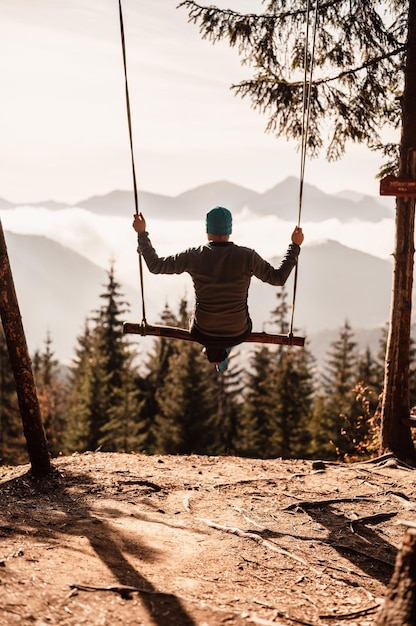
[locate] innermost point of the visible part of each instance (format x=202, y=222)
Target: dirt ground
x=200, y=541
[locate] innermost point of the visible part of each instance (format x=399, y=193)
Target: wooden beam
x=180, y=333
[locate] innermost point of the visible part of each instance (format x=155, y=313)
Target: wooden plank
x=184, y=335
x=398, y=186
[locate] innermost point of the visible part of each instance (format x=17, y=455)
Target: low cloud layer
x=104, y=238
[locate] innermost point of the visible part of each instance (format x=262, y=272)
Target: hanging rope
x=307, y=88
x=307, y=92
x=136, y=197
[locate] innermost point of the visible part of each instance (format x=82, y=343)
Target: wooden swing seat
x=172, y=332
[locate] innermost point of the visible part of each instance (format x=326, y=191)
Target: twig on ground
x=407, y=523
x=404, y=500
x=186, y=504
x=248, y=519
x=370, y=609
x=266, y=622
x=379, y=459
x=259, y=540
x=388, y=460
x=263, y=580
x=141, y=483
x=123, y=590
x=305, y=504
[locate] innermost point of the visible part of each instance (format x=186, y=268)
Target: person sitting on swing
x=221, y=272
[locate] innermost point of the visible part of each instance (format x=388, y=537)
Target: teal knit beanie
x=219, y=221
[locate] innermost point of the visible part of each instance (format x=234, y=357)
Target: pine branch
x=329, y=79
x=196, y=10
x=358, y=56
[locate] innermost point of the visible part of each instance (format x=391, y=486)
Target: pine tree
x=157, y=366
x=381, y=357
x=121, y=405
x=184, y=398
x=278, y=404
x=368, y=374
x=336, y=424
x=86, y=396
x=111, y=343
x=221, y=428
x=124, y=430
x=184, y=403
x=190, y=407
x=253, y=435
x=368, y=393
x=104, y=404
x=51, y=394
x=294, y=401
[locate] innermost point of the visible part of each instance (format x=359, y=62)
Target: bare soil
x=200, y=541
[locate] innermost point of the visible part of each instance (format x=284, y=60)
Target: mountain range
x=281, y=200
x=58, y=288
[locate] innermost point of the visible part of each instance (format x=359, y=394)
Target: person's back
x=221, y=272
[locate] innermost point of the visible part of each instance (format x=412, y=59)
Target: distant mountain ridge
x=280, y=200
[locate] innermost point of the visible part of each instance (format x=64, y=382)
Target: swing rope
x=307, y=92
x=178, y=333
x=136, y=197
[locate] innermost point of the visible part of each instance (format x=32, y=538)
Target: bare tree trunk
x=400, y=603
x=21, y=367
x=395, y=432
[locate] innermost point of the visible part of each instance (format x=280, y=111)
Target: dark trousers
x=215, y=347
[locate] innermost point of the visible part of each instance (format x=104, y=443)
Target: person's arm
x=174, y=264
x=278, y=276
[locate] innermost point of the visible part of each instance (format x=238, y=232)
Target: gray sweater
x=221, y=273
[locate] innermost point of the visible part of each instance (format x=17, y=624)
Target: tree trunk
x=21, y=367
x=395, y=432
x=400, y=603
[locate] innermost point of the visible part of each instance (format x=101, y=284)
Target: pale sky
x=63, y=122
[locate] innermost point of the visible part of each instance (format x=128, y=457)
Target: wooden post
x=21, y=366
x=399, y=607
